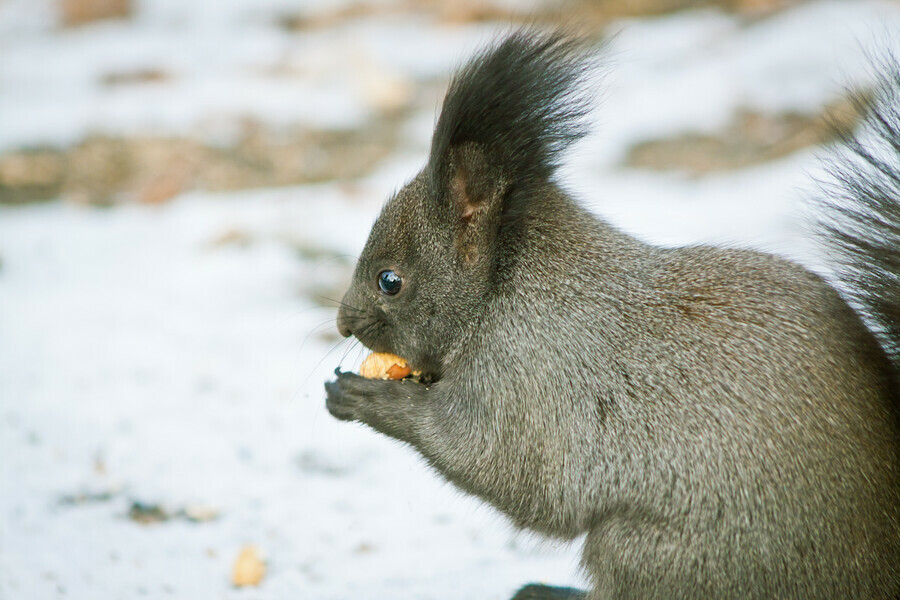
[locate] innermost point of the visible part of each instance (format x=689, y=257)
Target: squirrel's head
x=439, y=247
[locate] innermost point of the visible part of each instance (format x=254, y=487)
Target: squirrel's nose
x=343, y=324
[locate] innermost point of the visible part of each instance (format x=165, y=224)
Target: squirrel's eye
x=389, y=282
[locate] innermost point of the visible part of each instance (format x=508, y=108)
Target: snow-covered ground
x=173, y=355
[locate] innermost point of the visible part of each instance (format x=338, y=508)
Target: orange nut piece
x=383, y=365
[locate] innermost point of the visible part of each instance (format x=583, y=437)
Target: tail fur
x=861, y=226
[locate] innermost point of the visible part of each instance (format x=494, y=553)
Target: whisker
x=355, y=344
x=297, y=313
x=315, y=329
x=362, y=331
x=366, y=328
x=324, y=261
x=359, y=356
x=319, y=364
x=341, y=303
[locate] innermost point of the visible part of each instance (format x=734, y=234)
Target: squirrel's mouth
x=386, y=365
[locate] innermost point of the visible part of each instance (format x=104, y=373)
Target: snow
x=175, y=354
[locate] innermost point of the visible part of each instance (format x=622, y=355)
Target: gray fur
x=718, y=422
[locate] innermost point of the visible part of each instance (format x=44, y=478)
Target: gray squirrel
x=720, y=423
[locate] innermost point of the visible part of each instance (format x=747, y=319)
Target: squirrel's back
x=730, y=399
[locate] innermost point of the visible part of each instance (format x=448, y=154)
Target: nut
x=383, y=365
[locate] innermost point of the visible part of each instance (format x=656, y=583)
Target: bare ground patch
x=751, y=138
x=152, y=169
x=103, y=170
x=585, y=13
x=80, y=12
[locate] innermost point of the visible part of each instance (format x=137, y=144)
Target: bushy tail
x=861, y=225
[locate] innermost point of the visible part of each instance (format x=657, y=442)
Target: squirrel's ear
x=474, y=188
x=475, y=193
x=506, y=119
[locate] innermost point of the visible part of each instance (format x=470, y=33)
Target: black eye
x=389, y=282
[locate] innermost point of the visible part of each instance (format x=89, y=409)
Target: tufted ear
x=517, y=106
x=507, y=117
x=474, y=187
x=475, y=194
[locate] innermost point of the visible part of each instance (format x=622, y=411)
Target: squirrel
x=718, y=423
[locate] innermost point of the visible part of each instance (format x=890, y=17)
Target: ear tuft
x=521, y=103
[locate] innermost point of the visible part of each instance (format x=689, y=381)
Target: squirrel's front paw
x=392, y=407
x=344, y=395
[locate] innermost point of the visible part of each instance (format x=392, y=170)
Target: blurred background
x=183, y=189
